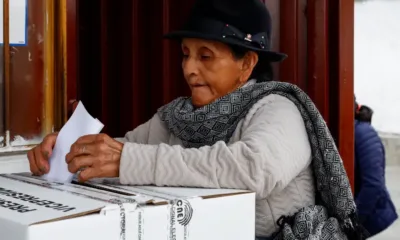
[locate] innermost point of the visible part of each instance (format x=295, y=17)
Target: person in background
x=374, y=205
x=364, y=114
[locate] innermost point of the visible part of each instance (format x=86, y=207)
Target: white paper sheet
x=80, y=124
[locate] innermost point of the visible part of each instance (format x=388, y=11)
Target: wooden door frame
x=345, y=61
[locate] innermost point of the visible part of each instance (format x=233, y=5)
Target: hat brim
x=264, y=54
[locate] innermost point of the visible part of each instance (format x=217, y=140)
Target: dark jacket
x=375, y=207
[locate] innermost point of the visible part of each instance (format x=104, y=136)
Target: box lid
x=31, y=200
x=162, y=195
x=27, y=202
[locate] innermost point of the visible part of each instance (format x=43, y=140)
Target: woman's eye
x=185, y=56
x=205, y=57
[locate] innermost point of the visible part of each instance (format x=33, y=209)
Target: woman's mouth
x=198, y=85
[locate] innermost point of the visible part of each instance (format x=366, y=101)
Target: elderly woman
x=237, y=130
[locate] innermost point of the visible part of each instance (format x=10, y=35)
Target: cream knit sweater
x=269, y=153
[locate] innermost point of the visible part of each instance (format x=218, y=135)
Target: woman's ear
x=250, y=60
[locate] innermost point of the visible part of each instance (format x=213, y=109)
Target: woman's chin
x=198, y=101
x=199, y=98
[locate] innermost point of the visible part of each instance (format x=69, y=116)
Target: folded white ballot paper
x=80, y=124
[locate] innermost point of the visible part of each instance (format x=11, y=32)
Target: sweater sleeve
x=272, y=151
x=370, y=159
x=141, y=134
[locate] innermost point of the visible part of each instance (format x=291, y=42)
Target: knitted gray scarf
x=334, y=216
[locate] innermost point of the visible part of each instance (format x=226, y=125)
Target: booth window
x=32, y=83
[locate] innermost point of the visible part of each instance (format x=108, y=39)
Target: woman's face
x=211, y=70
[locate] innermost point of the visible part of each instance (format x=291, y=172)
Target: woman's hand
x=96, y=155
x=39, y=156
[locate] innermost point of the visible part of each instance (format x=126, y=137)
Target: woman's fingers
x=86, y=145
x=87, y=139
x=80, y=162
x=48, y=144
x=32, y=163
x=96, y=155
x=93, y=145
x=99, y=154
x=96, y=171
x=39, y=156
x=101, y=138
x=114, y=144
x=46, y=148
x=74, y=104
x=40, y=161
x=87, y=174
x=81, y=149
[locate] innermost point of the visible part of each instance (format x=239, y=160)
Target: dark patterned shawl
x=334, y=215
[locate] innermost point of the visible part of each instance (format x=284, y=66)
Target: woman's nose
x=190, y=66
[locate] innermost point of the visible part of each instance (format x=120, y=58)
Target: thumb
x=74, y=104
x=48, y=144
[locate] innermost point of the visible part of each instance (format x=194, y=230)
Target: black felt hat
x=241, y=23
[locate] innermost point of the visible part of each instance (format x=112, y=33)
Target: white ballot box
x=34, y=209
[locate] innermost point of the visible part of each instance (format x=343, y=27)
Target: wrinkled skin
x=210, y=70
